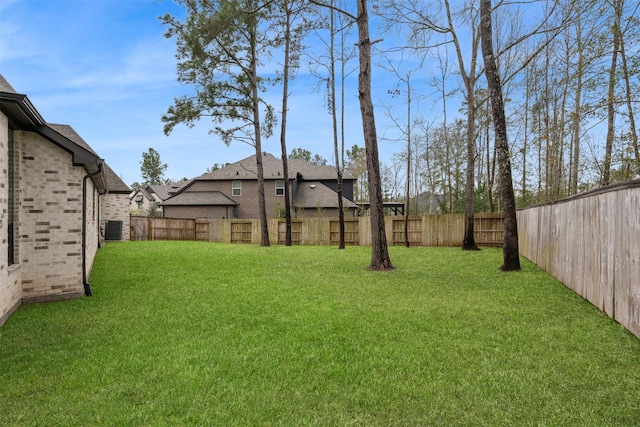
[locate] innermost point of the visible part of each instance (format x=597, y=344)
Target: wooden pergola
x=394, y=207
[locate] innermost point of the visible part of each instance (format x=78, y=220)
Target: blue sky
x=105, y=68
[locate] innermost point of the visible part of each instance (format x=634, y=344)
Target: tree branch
x=337, y=9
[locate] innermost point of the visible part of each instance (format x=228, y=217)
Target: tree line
x=571, y=78
x=564, y=73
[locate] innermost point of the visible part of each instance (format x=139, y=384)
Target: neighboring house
x=232, y=191
x=146, y=199
x=141, y=202
x=56, y=195
x=428, y=203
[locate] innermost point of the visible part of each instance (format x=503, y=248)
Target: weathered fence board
x=591, y=243
x=139, y=226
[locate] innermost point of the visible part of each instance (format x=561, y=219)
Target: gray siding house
x=56, y=195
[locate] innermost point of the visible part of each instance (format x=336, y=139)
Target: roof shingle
x=272, y=166
x=200, y=198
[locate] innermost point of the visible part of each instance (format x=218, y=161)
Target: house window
x=279, y=187
x=236, y=188
x=11, y=199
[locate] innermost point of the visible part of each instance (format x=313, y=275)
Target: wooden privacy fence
x=148, y=228
x=428, y=230
x=591, y=243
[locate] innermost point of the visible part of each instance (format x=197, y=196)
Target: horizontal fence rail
x=425, y=230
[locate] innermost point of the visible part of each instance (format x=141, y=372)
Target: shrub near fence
x=591, y=243
x=427, y=230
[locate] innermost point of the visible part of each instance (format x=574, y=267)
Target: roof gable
x=313, y=194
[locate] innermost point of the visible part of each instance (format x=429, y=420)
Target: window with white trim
x=280, y=187
x=236, y=188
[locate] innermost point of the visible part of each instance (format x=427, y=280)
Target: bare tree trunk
x=491, y=170
x=611, y=112
x=525, y=143
x=445, y=133
x=380, y=259
x=469, y=79
x=510, y=254
x=539, y=197
x=283, y=132
x=577, y=115
x=547, y=127
x=632, y=120
x=469, y=241
x=408, y=183
x=332, y=106
x=343, y=77
x=264, y=227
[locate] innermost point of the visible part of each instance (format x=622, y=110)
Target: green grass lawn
x=186, y=333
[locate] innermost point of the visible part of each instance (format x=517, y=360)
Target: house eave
x=20, y=111
x=23, y=115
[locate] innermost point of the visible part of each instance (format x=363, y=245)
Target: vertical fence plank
x=591, y=243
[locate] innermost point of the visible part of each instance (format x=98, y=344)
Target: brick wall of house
x=93, y=220
x=115, y=207
x=50, y=230
x=10, y=280
x=10, y=292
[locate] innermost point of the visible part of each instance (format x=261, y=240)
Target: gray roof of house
x=272, y=166
x=70, y=133
x=20, y=109
x=165, y=191
x=142, y=193
x=313, y=194
x=114, y=184
x=5, y=86
x=200, y=198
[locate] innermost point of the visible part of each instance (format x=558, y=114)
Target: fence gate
x=241, y=232
x=351, y=232
x=139, y=228
x=414, y=231
x=489, y=229
x=296, y=232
